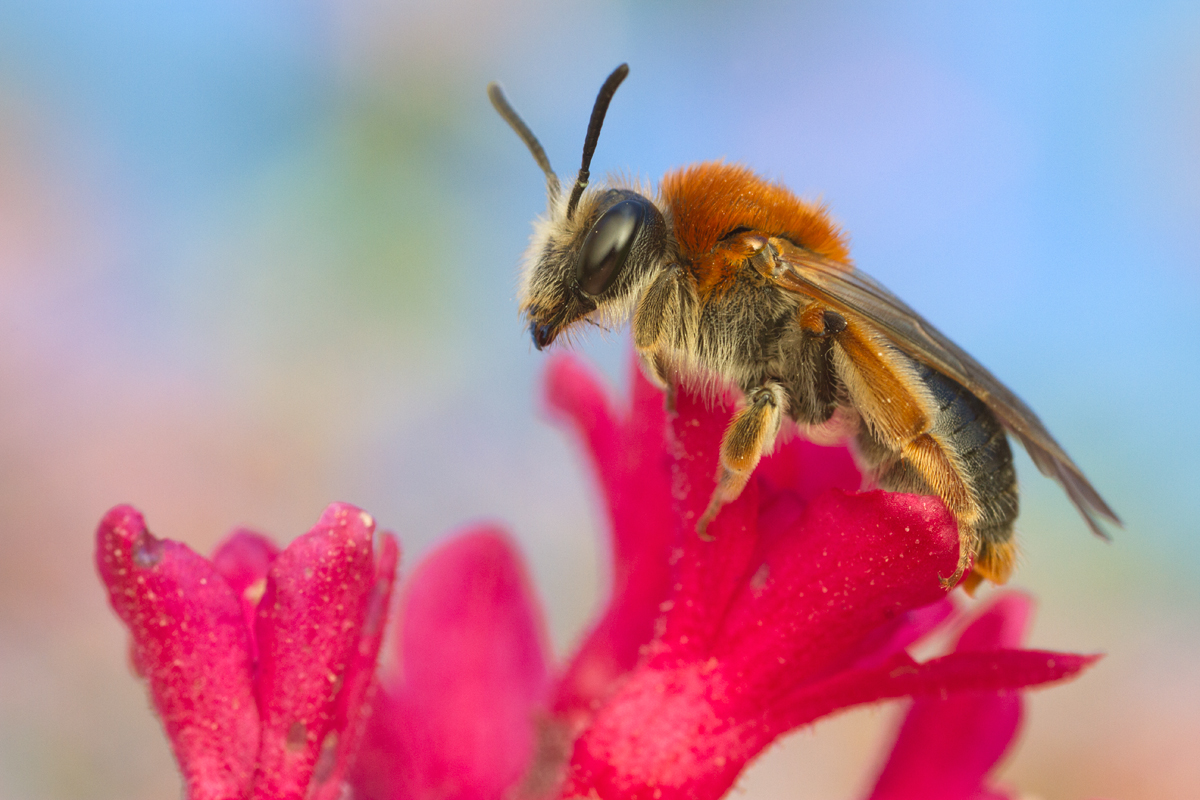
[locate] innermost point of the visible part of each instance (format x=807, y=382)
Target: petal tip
x=346, y=520
x=123, y=520
x=482, y=543
x=123, y=540
x=567, y=384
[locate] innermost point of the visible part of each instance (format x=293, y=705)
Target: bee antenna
x=593, y=132
x=500, y=103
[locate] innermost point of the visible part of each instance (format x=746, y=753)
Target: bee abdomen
x=962, y=456
x=971, y=431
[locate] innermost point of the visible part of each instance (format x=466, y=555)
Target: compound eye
x=607, y=246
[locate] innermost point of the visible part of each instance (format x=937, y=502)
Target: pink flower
x=801, y=604
x=259, y=662
x=458, y=719
x=946, y=746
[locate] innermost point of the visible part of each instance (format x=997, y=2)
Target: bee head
x=594, y=249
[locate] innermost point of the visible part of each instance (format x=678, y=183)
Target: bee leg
x=907, y=440
x=658, y=371
x=923, y=466
x=751, y=433
x=975, y=449
x=659, y=306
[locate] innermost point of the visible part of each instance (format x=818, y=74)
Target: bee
x=730, y=280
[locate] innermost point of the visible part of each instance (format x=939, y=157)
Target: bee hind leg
x=994, y=562
x=750, y=434
x=924, y=466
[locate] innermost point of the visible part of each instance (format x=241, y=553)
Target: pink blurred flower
x=801, y=604
x=458, y=719
x=946, y=746
x=259, y=662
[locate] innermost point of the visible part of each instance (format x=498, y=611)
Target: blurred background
x=259, y=256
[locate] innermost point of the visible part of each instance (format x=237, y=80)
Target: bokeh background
x=259, y=256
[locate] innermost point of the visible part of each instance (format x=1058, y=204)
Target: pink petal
x=805, y=469
x=192, y=645
x=310, y=624
x=714, y=569
x=243, y=560
x=947, y=746
x=797, y=472
x=461, y=722
x=672, y=733
x=1002, y=625
x=752, y=618
x=666, y=735
x=872, y=556
x=352, y=704
x=627, y=451
x=992, y=670
x=890, y=638
x=852, y=564
x=574, y=393
x=808, y=594
x=900, y=676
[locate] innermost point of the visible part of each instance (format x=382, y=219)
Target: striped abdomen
x=965, y=427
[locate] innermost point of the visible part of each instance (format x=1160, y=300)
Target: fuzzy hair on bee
x=548, y=280
x=732, y=282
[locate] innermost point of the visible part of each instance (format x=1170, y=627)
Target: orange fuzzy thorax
x=706, y=201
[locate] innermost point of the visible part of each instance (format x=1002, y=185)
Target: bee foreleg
x=659, y=372
x=658, y=311
x=750, y=434
x=656, y=308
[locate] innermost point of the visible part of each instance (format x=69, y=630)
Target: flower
x=946, y=746
x=456, y=720
x=801, y=603
x=259, y=662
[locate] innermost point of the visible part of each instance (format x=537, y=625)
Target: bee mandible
x=730, y=280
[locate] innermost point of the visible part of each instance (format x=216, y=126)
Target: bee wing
x=848, y=290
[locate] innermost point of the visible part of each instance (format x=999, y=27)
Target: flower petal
x=628, y=453
x=753, y=618
x=1002, y=625
x=714, y=568
x=460, y=723
x=805, y=469
x=667, y=734
x=947, y=745
x=890, y=638
x=853, y=563
x=243, y=560
x=353, y=702
x=900, y=676
x=675, y=733
x=191, y=643
x=309, y=626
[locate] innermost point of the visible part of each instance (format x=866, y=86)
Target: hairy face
x=591, y=263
